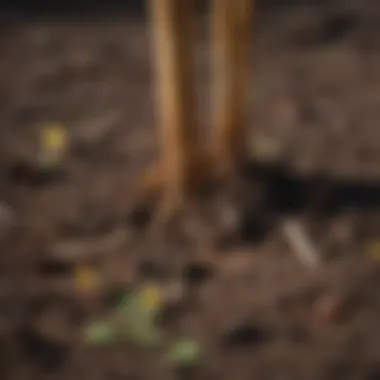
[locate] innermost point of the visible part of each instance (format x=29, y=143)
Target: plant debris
x=300, y=243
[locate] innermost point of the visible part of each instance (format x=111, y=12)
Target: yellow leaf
x=86, y=278
x=151, y=296
x=54, y=136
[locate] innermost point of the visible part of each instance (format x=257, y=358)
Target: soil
x=256, y=309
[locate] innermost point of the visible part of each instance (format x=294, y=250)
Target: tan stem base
x=158, y=190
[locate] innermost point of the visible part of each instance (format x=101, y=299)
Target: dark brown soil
x=258, y=311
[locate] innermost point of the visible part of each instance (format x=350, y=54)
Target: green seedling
x=142, y=334
x=185, y=353
x=139, y=311
x=145, y=301
x=100, y=334
x=137, y=315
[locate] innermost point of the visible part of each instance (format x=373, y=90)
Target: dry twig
x=301, y=245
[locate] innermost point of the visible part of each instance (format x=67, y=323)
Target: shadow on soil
x=285, y=194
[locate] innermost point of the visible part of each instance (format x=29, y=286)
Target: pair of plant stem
x=185, y=162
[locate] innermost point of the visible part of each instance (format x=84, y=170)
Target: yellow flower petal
x=54, y=136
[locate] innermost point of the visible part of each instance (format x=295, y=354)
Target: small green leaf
x=139, y=318
x=137, y=312
x=140, y=305
x=184, y=353
x=124, y=307
x=100, y=333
